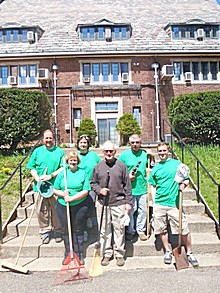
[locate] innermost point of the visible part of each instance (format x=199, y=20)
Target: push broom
x=15, y=267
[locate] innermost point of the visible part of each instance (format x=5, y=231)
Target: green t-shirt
x=162, y=177
x=88, y=162
x=76, y=181
x=42, y=158
x=130, y=158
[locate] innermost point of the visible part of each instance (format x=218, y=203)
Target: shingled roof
x=59, y=20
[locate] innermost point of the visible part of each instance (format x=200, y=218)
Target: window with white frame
x=202, y=71
x=137, y=114
x=24, y=74
x=191, y=31
x=104, y=72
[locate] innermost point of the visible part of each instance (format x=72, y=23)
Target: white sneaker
x=168, y=257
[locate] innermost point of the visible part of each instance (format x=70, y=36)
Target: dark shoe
x=129, y=237
x=89, y=223
x=82, y=260
x=45, y=238
x=142, y=237
x=105, y=261
x=120, y=261
x=58, y=237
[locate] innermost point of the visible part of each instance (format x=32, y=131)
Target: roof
x=60, y=18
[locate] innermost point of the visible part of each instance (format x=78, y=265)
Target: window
x=202, y=71
x=100, y=32
x=137, y=114
x=8, y=36
x=1, y=37
x=15, y=35
x=105, y=72
x=190, y=31
x=3, y=75
x=77, y=117
x=24, y=35
x=106, y=106
x=25, y=74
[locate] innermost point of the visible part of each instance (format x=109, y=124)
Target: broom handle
x=180, y=219
x=148, y=197
x=28, y=224
x=68, y=212
x=105, y=202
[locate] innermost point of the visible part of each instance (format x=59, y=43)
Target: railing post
x=197, y=173
x=20, y=174
x=218, y=229
x=182, y=151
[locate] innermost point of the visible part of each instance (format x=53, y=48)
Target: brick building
x=101, y=59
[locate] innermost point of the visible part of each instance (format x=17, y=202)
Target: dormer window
x=14, y=33
x=193, y=29
x=104, y=30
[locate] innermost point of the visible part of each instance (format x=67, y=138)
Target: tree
x=196, y=116
x=126, y=126
x=87, y=126
x=23, y=116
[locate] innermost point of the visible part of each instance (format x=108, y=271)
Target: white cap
x=181, y=173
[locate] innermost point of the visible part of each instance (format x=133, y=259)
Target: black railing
x=17, y=169
x=199, y=165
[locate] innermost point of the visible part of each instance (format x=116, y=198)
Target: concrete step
x=193, y=207
x=45, y=264
x=33, y=247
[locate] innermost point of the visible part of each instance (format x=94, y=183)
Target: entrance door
x=106, y=130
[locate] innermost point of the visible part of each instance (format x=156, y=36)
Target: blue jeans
x=139, y=202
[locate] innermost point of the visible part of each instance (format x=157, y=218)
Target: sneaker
x=168, y=257
x=58, y=237
x=45, y=238
x=82, y=260
x=143, y=237
x=129, y=237
x=191, y=258
x=89, y=223
x=85, y=236
x=66, y=259
x=105, y=261
x=120, y=261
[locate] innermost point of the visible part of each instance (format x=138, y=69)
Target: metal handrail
x=19, y=167
x=198, y=165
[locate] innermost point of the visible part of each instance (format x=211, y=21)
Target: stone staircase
x=139, y=254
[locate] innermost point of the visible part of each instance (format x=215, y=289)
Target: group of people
x=116, y=188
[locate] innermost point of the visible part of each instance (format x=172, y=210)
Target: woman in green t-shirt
x=78, y=186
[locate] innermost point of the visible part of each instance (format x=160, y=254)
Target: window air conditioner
x=12, y=80
x=30, y=36
x=167, y=72
x=188, y=76
x=43, y=74
x=125, y=76
x=86, y=79
x=108, y=33
x=200, y=33
x=77, y=122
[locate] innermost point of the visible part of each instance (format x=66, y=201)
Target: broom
x=15, y=267
x=96, y=267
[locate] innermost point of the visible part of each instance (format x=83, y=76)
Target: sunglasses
x=133, y=142
x=84, y=136
x=109, y=151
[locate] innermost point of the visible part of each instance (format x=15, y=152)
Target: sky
x=218, y=1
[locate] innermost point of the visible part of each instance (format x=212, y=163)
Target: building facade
x=101, y=59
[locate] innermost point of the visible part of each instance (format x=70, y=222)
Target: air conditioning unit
x=188, y=76
x=86, y=79
x=43, y=74
x=125, y=76
x=200, y=33
x=67, y=126
x=108, y=33
x=12, y=80
x=167, y=72
x=30, y=36
x=77, y=122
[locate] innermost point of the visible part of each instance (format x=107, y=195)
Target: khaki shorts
x=164, y=215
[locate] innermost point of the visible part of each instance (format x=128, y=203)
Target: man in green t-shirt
x=47, y=157
x=164, y=178
x=131, y=158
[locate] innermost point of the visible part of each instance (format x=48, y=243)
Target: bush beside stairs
x=36, y=256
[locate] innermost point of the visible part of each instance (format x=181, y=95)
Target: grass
x=209, y=156
x=11, y=193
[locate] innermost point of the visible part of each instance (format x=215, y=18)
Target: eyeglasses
x=133, y=142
